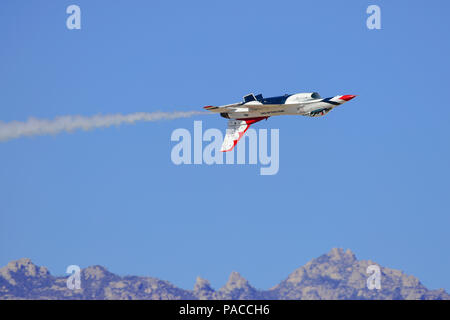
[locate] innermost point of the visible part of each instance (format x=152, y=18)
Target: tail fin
x=235, y=131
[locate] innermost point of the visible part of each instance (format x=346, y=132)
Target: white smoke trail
x=33, y=127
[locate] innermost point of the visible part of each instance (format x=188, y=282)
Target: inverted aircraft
x=255, y=108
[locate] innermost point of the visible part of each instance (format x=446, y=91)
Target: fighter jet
x=255, y=108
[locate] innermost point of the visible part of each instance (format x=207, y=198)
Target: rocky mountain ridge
x=335, y=275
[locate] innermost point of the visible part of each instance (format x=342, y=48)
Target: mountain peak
x=237, y=288
x=203, y=289
x=25, y=267
x=236, y=281
x=96, y=272
x=340, y=254
x=337, y=254
x=202, y=284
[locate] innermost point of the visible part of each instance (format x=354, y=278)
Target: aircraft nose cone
x=347, y=97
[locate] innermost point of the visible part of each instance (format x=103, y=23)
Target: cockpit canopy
x=251, y=97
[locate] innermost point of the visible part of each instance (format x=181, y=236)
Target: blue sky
x=371, y=176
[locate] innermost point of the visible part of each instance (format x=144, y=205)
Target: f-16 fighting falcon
x=256, y=108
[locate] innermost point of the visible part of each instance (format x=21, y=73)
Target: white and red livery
x=255, y=108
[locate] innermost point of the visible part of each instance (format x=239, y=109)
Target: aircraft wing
x=235, y=131
x=226, y=108
x=239, y=107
